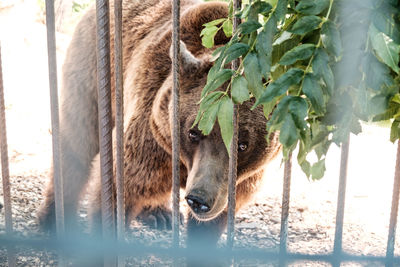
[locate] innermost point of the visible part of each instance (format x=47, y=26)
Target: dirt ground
x=312, y=205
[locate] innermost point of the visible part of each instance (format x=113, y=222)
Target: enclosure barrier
x=115, y=242
x=5, y=174
x=232, y=174
x=175, y=117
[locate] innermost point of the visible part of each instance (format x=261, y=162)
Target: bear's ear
x=189, y=63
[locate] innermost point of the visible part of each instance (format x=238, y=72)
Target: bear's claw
x=157, y=218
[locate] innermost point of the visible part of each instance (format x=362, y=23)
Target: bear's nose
x=197, y=204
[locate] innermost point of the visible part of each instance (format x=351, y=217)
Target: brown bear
x=147, y=74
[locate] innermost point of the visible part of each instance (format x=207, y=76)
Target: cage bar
x=55, y=121
x=119, y=125
x=232, y=174
x=394, y=211
x=175, y=116
x=287, y=176
x=5, y=172
x=337, y=249
x=105, y=127
x=119, y=120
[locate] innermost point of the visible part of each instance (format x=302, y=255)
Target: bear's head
x=205, y=157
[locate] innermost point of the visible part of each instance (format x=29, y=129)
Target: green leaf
x=378, y=104
x=266, y=36
x=280, y=112
x=265, y=64
x=321, y=68
x=214, y=22
x=395, y=131
x=288, y=134
x=225, y=120
x=330, y=37
x=298, y=108
x=396, y=98
x=207, y=121
x=227, y=27
x=279, y=49
x=280, y=9
x=385, y=22
x=206, y=103
x=210, y=99
x=306, y=168
x=306, y=24
x=280, y=86
x=234, y=51
x=312, y=7
x=264, y=46
x=268, y=108
x=302, y=159
x=262, y=7
x=256, y=7
x=220, y=78
x=249, y=26
x=388, y=114
x=313, y=91
x=253, y=74
x=240, y=92
x=302, y=155
x=244, y=13
x=207, y=36
x=300, y=52
x=217, y=53
x=377, y=74
x=385, y=48
x=318, y=169
x=231, y=9
x=321, y=149
x=320, y=60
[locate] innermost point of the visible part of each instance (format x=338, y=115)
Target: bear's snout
x=197, y=204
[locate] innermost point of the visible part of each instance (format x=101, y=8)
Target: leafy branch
x=318, y=68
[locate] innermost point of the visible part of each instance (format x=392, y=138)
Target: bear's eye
x=242, y=147
x=194, y=136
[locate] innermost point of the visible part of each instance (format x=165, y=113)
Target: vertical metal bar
x=105, y=128
x=175, y=116
x=394, y=211
x=119, y=125
x=337, y=249
x=5, y=174
x=55, y=122
x=232, y=175
x=287, y=176
x=119, y=94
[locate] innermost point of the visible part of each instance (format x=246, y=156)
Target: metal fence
x=115, y=245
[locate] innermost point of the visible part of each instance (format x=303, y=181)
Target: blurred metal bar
x=287, y=176
x=5, y=173
x=232, y=175
x=337, y=249
x=119, y=125
x=175, y=116
x=119, y=120
x=91, y=247
x=55, y=122
x=394, y=211
x=105, y=125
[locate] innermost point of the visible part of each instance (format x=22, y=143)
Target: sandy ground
x=312, y=206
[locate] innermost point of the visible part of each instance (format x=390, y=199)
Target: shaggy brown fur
x=148, y=122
